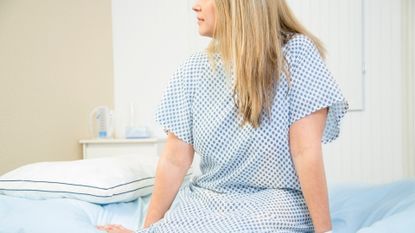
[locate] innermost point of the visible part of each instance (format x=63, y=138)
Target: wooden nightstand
x=97, y=148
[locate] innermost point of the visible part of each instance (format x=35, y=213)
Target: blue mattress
x=354, y=208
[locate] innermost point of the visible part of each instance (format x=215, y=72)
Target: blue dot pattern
x=248, y=181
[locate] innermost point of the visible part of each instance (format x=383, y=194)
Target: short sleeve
x=174, y=112
x=313, y=88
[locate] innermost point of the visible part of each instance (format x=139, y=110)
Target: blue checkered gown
x=248, y=182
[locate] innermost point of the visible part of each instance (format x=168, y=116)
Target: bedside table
x=97, y=148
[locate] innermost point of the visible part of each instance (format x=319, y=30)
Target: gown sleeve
x=313, y=88
x=174, y=112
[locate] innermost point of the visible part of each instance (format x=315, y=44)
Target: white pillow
x=101, y=180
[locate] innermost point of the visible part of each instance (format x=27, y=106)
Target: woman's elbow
x=177, y=152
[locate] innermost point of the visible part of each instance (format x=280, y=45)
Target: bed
x=20, y=215
x=387, y=208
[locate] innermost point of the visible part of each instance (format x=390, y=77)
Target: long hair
x=249, y=35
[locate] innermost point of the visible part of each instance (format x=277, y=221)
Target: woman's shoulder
x=191, y=69
x=299, y=44
x=197, y=60
x=300, y=47
x=299, y=41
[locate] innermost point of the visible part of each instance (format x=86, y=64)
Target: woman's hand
x=114, y=228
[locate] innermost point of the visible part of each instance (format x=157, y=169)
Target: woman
x=256, y=107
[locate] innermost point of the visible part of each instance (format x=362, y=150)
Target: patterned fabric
x=248, y=181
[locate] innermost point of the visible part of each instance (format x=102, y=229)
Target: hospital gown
x=248, y=182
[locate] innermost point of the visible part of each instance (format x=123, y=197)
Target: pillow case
x=101, y=180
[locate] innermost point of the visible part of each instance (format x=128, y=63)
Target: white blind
x=339, y=24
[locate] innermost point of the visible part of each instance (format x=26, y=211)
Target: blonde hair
x=249, y=36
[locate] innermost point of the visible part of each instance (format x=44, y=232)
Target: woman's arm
x=306, y=151
x=172, y=167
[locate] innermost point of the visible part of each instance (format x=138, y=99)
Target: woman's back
x=248, y=181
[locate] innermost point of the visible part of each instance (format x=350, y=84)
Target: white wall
x=370, y=148
x=339, y=25
x=151, y=38
x=413, y=37
x=411, y=81
x=412, y=171
x=149, y=41
x=408, y=86
x=413, y=48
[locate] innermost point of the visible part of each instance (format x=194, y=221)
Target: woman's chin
x=202, y=33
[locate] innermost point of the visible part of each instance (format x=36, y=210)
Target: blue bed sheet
x=18, y=215
x=386, y=208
